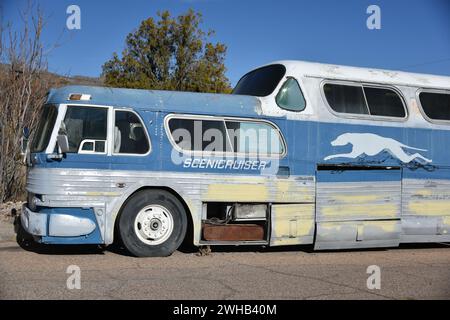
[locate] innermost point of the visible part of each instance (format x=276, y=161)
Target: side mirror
x=63, y=143
x=26, y=132
x=24, y=141
x=23, y=146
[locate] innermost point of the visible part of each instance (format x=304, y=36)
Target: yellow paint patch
x=445, y=224
x=305, y=211
x=342, y=231
x=366, y=210
x=430, y=208
x=284, y=186
x=362, y=230
x=291, y=191
x=291, y=222
x=386, y=226
x=247, y=180
x=446, y=220
x=237, y=192
x=288, y=228
x=356, y=198
x=423, y=192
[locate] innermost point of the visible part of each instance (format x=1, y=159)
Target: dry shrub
x=24, y=82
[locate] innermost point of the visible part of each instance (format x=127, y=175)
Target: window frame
x=94, y=141
x=286, y=79
x=223, y=119
x=422, y=111
x=362, y=85
x=62, y=110
x=113, y=124
x=49, y=142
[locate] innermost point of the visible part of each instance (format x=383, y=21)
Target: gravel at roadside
x=7, y=210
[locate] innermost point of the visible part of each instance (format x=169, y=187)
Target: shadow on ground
x=202, y=251
x=26, y=242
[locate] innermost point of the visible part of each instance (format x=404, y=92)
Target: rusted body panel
x=233, y=232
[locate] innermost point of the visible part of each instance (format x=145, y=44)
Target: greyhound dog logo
x=371, y=144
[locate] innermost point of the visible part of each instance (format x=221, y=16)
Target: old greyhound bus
x=300, y=153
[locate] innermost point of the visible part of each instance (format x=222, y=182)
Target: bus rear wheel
x=152, y=224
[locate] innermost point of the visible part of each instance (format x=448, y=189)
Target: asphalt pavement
x=53, y=272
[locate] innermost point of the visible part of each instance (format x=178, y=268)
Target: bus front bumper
x=56, y=224
x=34, y=223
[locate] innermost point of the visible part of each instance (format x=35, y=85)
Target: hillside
x=60, y=80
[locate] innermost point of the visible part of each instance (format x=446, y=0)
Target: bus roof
x=159, y=100
x=371, y=75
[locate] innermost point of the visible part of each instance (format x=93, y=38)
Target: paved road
x=420, y=272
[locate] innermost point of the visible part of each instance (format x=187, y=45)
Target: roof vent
x=79, y=96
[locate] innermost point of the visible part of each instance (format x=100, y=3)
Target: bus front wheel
x=152, y=224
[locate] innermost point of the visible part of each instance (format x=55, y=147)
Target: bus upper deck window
x=436, y=106
x=369, y=100
x=345, y=98
x=260, y=82
x=384, y=102
x=290, y=97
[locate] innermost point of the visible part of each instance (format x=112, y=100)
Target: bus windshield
x=44, y=129
x=260, y=82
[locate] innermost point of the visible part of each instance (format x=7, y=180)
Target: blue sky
x=414, y=34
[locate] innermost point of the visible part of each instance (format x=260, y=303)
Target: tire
x=152, y=224
x=23, y=238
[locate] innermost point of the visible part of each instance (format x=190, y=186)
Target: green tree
x=170, y=54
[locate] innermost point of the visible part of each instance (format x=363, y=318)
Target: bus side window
x=129, y=134
x=238, y=136
x=290, y=97
x=384, y=102
x=436, y=106
x=213, y=134
x=370, y=100
x=86, y=129
x=345, y=98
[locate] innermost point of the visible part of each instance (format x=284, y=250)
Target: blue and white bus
x=300, y=153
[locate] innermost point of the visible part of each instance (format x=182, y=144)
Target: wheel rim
x=153, y=224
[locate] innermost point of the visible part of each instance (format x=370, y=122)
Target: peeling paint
x=237, y=192
x=364, y=209
x=353, y=234
x=430, y=208
x=423, y=193
x=293, y=191
x=356, y=198
x=292, y=224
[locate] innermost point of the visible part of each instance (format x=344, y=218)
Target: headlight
x=31, y=199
